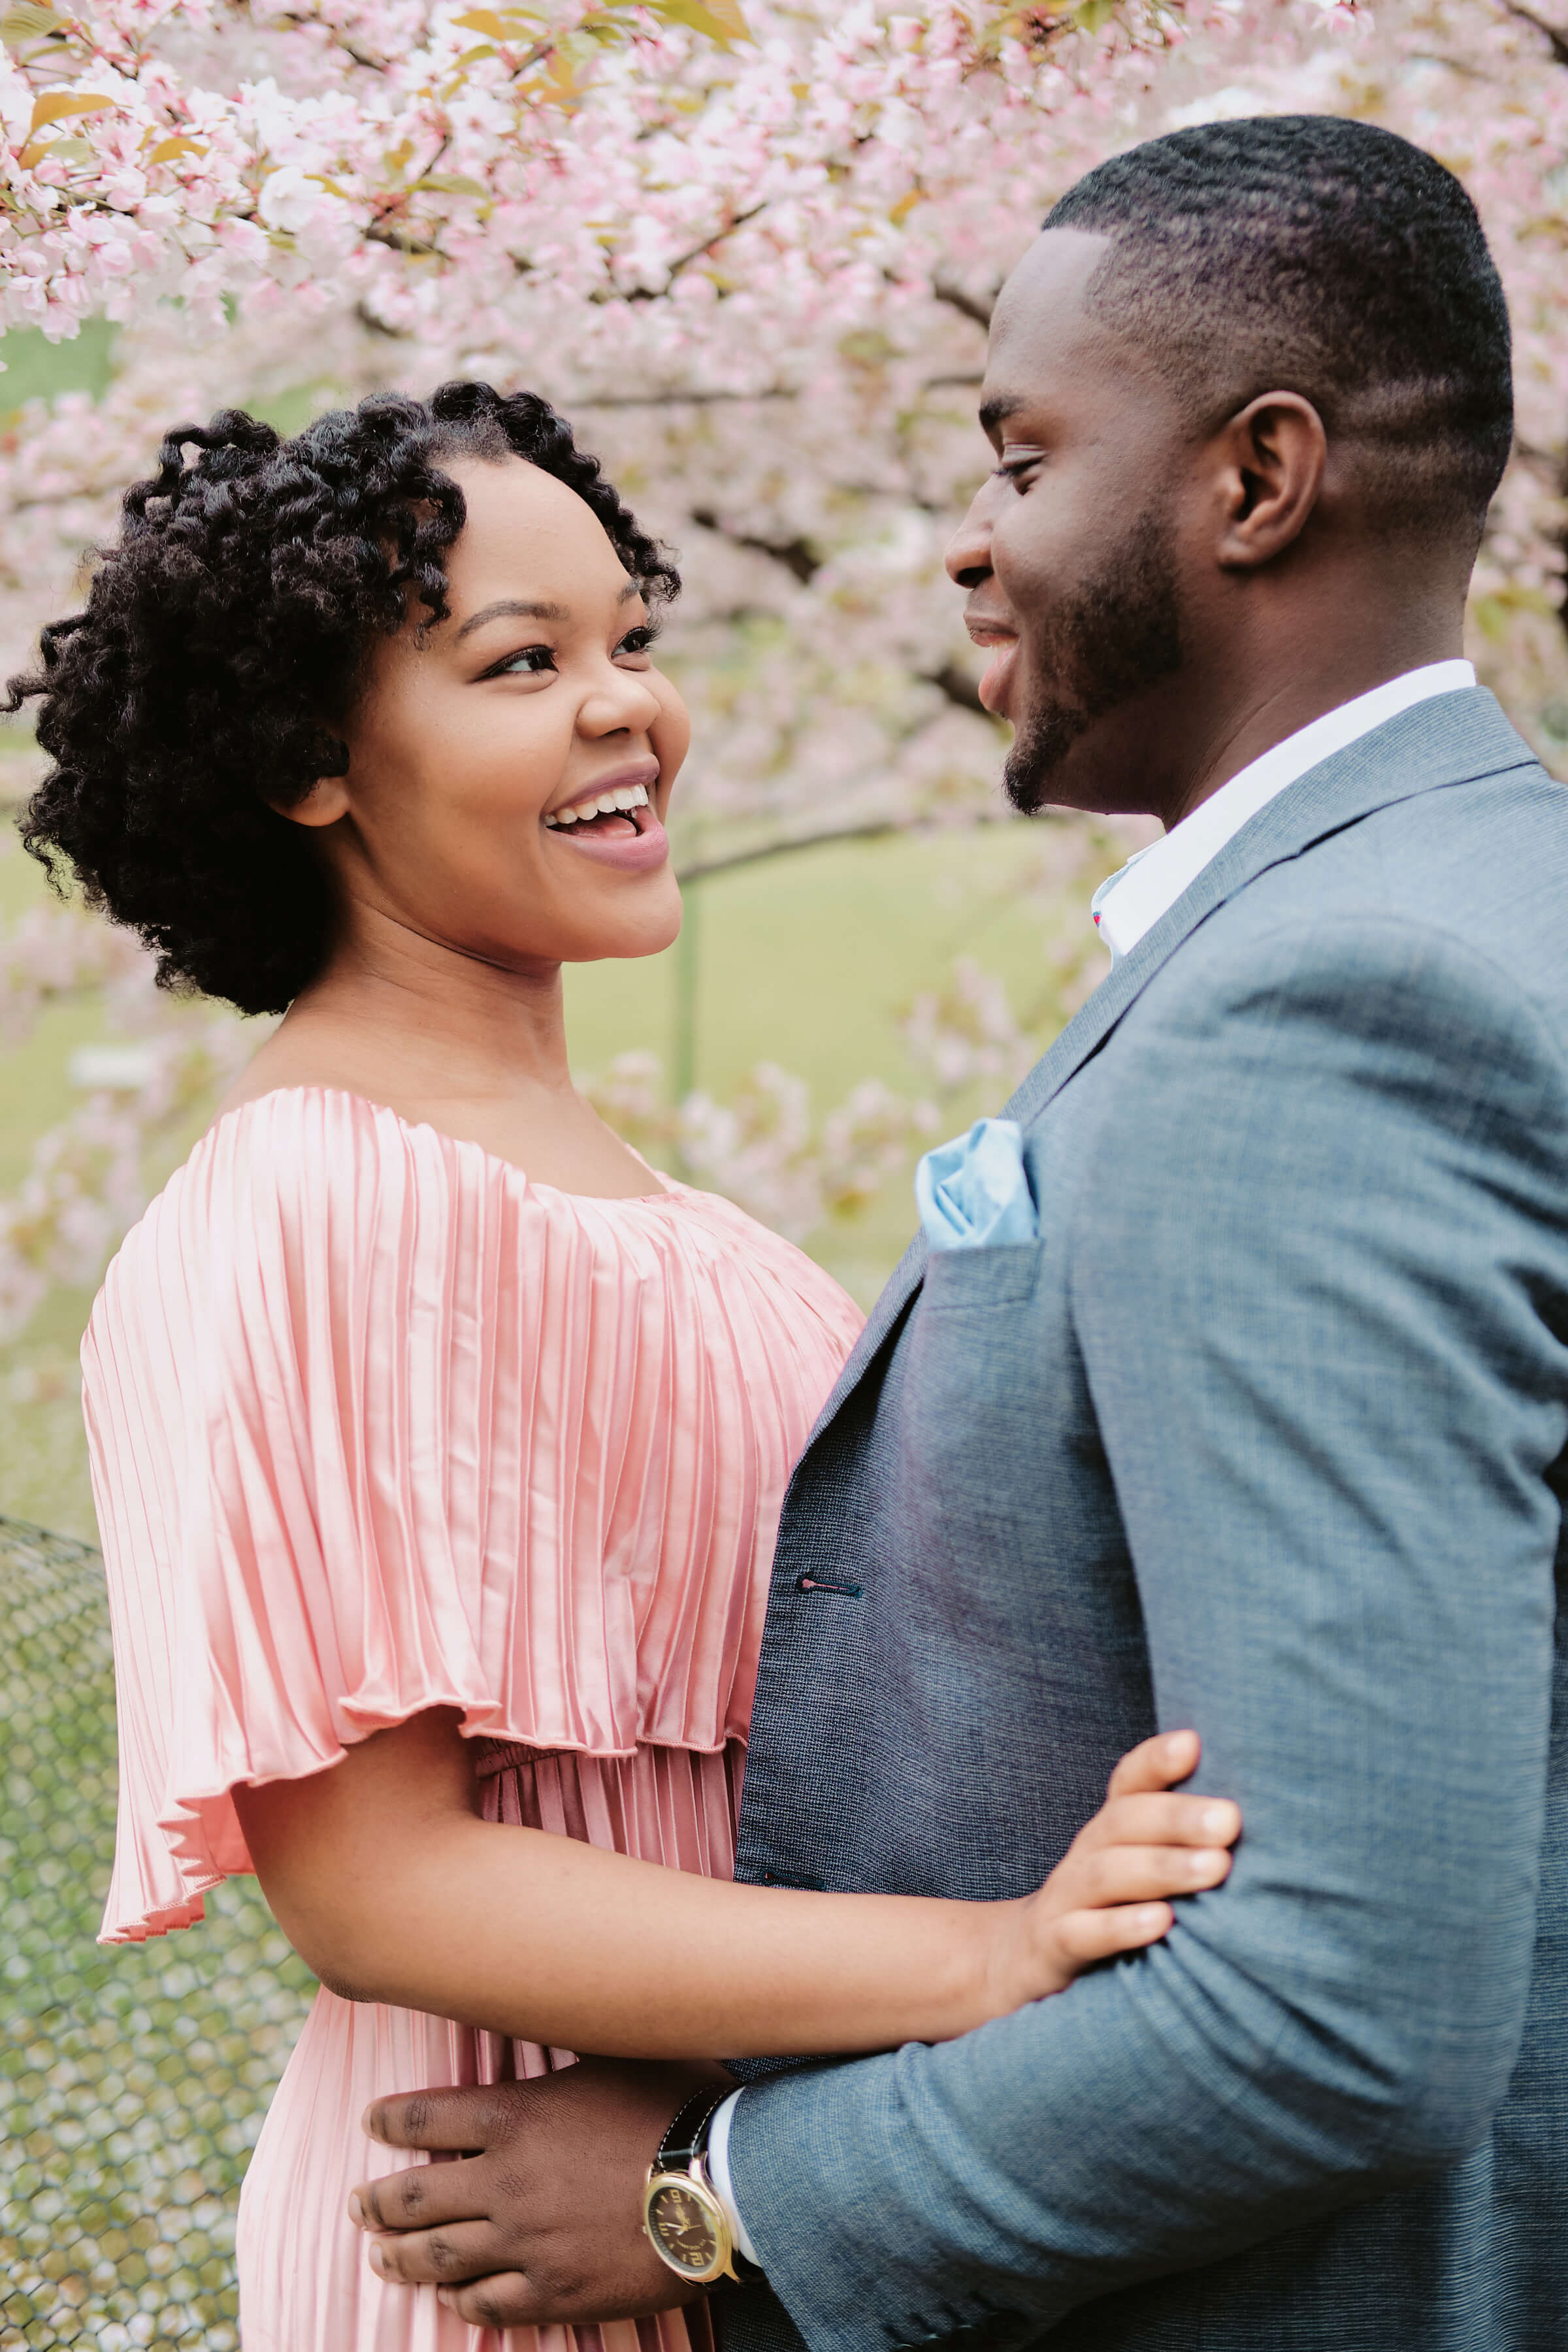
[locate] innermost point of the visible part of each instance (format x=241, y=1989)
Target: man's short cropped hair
x=1307, y=253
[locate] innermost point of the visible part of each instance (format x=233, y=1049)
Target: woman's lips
x=634, y=853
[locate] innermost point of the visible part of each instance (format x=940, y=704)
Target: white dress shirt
x=1131, y=903
x=718, y=2173
x=1133, y=899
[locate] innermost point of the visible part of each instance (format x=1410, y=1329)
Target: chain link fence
x=133, y=2079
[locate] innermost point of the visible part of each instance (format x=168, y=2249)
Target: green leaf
x=501, y=24
x=28, y=24
x=718, y=20
x=448, y=184
x=56, y=104
x=168, y=150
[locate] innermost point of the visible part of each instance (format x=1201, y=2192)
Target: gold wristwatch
x=682, y=2214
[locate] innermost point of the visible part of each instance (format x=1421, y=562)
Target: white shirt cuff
x=718, y=2173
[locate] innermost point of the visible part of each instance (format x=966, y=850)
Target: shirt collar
x=1133, y=901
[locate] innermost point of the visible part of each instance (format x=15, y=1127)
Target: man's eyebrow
x=996, y=410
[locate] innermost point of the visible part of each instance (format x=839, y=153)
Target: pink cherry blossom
x=754, y=269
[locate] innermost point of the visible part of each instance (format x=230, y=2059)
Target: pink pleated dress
x=376, y=1425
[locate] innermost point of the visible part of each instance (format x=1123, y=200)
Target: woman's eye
x=529, y=662
x=637, y=640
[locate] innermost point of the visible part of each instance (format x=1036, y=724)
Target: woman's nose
x=621, y=701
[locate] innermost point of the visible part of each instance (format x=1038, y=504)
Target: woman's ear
x=327, y=800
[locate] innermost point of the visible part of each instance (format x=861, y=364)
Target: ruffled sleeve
x=336, y=1408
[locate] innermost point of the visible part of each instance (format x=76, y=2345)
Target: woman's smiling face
x=510, y=768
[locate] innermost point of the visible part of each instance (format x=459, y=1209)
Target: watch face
x=683, y=2228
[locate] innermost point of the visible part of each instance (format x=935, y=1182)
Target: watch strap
x=686, y=2137
x=683, y=2144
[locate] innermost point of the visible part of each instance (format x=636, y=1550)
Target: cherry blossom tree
x=751, y=249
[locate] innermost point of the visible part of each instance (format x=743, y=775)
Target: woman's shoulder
x=763, y=1253
x=283, y=1125
x=289, y=1149
x=312, y=1193
x=287, y=1193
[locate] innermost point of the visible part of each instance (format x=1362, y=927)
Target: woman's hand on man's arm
x=388, y=1883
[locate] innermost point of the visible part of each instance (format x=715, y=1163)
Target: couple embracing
x=476, y=1501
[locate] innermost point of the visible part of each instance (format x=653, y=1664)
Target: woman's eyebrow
x=523, y=608
x=512, y=608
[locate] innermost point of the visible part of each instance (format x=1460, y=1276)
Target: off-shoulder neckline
x=669, y=1190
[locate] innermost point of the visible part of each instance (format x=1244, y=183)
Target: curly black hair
x=225, y=638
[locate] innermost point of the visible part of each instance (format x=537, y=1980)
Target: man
x=1261, y=1427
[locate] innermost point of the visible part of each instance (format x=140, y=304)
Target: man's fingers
x=468, y=2120
x=510, y=2300
x=1156, y=1763
x=445, y=2257
x=505, y=2300
x=419, y=2198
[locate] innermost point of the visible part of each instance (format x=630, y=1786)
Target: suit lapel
x=1422, y=749
x=905, y=1280
x=1451, y=738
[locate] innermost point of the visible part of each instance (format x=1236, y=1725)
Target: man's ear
x=327, y=800
x=1272, y=456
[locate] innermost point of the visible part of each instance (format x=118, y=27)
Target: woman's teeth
x=617, y=803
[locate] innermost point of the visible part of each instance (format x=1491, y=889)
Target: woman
x=438, y=1444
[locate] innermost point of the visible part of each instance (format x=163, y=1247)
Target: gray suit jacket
x=1265, y=1437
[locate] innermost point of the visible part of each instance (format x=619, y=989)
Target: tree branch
x=684, y=261
x=339, y=41
x=977, y=306
x=880, y=830
x=374, y=326
x=404, y=240
x=1557, y=41
x=695, y=398
x=797, y=555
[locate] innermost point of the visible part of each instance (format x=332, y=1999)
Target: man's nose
x=968, y=557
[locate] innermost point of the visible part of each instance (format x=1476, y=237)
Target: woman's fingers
x=1139, y=1873
x=1156, y=1763
x=1161, y=1821
x=1146, y=1847
x=1084, y=1937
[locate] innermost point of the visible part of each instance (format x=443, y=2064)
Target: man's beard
x=1115, y=635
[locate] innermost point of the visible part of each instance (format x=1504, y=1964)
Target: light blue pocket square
x=973, y=1192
